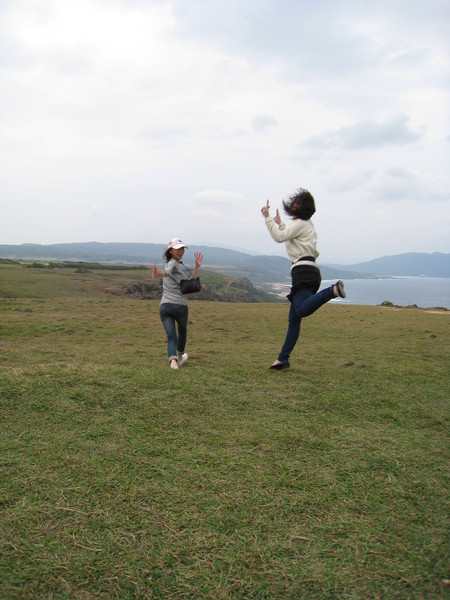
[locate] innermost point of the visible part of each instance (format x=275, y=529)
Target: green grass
x=120, y=478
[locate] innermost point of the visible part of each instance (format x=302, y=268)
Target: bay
x=425, y=292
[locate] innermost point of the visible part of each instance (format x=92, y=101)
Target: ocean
x=425, y=292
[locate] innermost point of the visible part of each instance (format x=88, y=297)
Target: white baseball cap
x=176, y=244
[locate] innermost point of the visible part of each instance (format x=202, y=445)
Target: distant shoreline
x=395, y=291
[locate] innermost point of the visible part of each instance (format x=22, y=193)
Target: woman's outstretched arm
x=157, y=272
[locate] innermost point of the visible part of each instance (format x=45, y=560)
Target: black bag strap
x=185, y=267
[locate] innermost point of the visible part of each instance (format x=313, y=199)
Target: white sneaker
x=173, y=364
x=183, y=360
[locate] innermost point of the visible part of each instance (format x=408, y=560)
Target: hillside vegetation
x=120, y=478
x=83, y=279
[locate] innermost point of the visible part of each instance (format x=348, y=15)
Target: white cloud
x=397, y=183
x=163, y=118
x=367, y=134
x=264, y=122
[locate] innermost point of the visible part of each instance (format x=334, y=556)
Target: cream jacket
x=299, y=236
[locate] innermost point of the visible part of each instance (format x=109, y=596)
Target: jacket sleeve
x=283, y=233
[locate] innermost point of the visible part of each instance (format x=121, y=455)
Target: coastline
x=415, y=292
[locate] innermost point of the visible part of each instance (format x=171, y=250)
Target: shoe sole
x=280, y=366
x=340, y=289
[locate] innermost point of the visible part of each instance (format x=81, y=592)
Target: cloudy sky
x=141, y=120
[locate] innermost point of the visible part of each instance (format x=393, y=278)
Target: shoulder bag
x=190, y=286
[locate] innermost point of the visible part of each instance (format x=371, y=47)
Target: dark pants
x=171, y=316
x=304, y=303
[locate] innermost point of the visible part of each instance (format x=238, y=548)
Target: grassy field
x=120, y=478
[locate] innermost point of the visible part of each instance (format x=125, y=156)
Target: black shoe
x=340, y=289
x=280, y=365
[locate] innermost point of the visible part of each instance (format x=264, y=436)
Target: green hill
x=83, y=279
x=256, y=268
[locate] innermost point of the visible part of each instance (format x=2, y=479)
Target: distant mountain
x=127, y=253
x=412, y=264
x=258, y=269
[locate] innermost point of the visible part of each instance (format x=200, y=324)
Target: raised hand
x=265, y=210
x=198, y=258
x=277, y=218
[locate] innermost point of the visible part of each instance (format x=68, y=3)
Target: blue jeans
x=172, y=315
x=304, y=303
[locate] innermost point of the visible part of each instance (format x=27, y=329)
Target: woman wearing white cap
x=173, y=308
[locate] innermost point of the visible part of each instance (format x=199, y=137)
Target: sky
x=144, y=120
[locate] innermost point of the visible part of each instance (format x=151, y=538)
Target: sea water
x=425, y=292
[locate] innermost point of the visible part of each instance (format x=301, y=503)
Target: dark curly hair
x=300, y=205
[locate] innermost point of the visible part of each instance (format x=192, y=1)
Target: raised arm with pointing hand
x=265, y=213
x=301, y=246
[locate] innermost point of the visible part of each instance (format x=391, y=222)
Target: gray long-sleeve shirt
x=171, y=284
